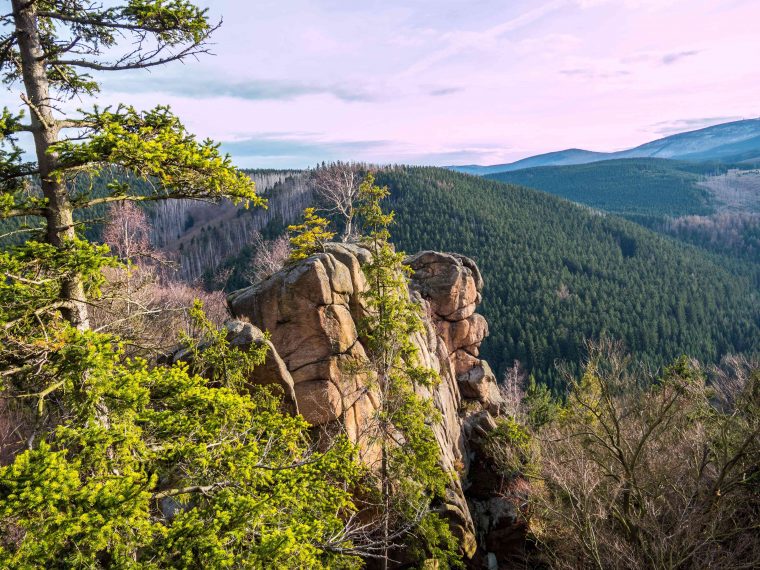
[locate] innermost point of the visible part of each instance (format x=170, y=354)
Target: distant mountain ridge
x=737, y=141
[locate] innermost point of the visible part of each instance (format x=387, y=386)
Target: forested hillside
x=639, y=186
x=196, y=236
x=714, y=206
x=557, y=273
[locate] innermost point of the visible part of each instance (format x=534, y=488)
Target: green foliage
x=310, y=236
x=512, y=448
x=130, y=465
x=511, y=431
x=660, y=194
x=162, y=23
x=11, y=167
x=155, y=146
x=411, y=475
x=556, y=274
x=53, y=44
x=174, y=21
x=185, y=471
x=32, y=273
x=540, y=406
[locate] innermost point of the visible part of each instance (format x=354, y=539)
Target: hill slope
x=728, y=142
x=646, y=186
x=561, y=157
x=712, y=205
x=557, y=273
x=705, y=142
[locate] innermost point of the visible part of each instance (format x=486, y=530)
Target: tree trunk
x=59, y=213
x=386, y=505
x=349, y=230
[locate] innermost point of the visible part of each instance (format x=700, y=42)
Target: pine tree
x=49, y=47
x=310, y=236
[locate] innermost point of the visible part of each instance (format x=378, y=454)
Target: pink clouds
x=452, y=82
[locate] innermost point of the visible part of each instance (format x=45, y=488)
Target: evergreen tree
x=189, y=471
x=309, y=236
x=410, y=475
x=49, y=46
x=121, y=463
x=619, y=279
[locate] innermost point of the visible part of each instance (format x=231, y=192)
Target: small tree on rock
x=410, y=476
x=310, y=236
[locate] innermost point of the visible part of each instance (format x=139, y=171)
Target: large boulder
x=312, y=311
x=479, y=383
x=273, y=372
x=451, y=281
x=451, y=284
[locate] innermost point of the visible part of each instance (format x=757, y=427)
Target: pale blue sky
x=294, y=82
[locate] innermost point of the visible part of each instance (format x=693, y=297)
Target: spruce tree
x=309, y=236
x=410, y=475
x=49, y=49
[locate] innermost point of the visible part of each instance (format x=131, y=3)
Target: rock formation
x=312, y=309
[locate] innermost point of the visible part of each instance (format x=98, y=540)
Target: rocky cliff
x=311, y=311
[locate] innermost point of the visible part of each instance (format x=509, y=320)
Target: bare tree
x=270, y=257
x=143, y=302
x=126, y=232
x=645, y=472
x=513, y=388
x=337, y=187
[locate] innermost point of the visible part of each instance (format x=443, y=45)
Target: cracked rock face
x=273, y=371
x=312, y=310
x=451, y=284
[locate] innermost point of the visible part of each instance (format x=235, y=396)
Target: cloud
x=612, y=68
x=251, y=90
x=462, y=41
x=297, y=149
x=303, y=149
x=628, y=4
x=671, y=58
x=481, y=153
x=447, y=158
x=587, y=73
x=441, y=91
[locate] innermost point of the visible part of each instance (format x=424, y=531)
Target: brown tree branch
x=18, y=212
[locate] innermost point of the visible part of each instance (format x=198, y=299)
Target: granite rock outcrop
x=312, y=311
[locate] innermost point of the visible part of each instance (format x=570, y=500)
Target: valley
x=662, y=298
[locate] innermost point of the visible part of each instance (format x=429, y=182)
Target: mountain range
x=734, y=142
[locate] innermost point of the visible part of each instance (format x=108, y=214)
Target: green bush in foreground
x=183, y=472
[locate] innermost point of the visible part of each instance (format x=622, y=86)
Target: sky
x=295, y=82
